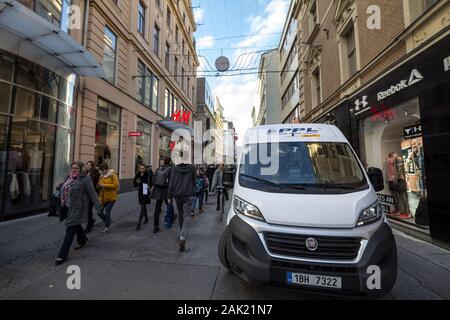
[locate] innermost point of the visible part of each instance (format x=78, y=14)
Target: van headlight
x=370, y=215
x=243, y=207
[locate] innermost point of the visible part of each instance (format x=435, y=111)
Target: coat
x=139, y=181
x=111, y=187
x=160, y=193
x=81, y=192
x=95, y=176
x=182, y=181
x=217, y=179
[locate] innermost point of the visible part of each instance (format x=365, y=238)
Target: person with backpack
x=109, y=187
x=200, y=186
x=160, y=189
x=74, y=196
x=182, y=189
x=143, y=181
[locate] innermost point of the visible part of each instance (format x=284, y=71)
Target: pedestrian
x=182, y=189
x=75, y=193
x=210, y=174
x=143, y=181
x=109, y=187
x=160, y=189
x=200, y=186
x=94, y=174
x=207, y=183
x=217, y=181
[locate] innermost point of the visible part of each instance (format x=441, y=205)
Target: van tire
x=222, y=250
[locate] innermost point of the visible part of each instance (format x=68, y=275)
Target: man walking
x=217, y=181
x=182, y=189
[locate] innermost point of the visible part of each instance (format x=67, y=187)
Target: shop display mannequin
x=391, y=177
x=401, y=188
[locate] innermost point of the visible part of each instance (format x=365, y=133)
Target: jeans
x=105, y=213
x=198, y=196
x=183, y=206
x=157, y=213
x=206, y=195
x=68, y=239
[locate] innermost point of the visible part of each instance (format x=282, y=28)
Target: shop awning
x=26, y=34
x=172, y=126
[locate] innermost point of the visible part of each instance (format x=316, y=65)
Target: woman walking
x=159, y=190
x=143, y=180
x=109, y=187
x=200, y=186
x=94, y=174
x=75, y=194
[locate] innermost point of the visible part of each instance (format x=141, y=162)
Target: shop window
x=32, y=105
x=393, y=142
x=107, y=134
x=5, y=97
x=155, y=94
x=143, y=143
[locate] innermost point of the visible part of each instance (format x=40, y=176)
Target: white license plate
x=314, y=280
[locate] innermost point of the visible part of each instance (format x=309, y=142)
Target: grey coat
x=81, y=191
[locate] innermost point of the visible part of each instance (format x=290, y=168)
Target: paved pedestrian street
x=130, y=264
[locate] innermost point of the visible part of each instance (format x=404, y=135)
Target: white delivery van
x=305, y=214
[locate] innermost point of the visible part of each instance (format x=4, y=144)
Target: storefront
x=143, y=143
x=37, y=121
x=107, y=134
x=401, y=124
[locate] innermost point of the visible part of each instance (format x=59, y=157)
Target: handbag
x=54, y=203
x=169, y=216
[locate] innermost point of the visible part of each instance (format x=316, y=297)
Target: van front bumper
x=249, y=259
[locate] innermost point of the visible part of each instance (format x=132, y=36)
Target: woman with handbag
x=75, y=193
x=143, y=181
x=402, y=189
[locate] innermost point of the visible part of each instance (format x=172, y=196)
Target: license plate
x=314, y=280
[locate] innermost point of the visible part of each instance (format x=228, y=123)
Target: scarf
x=66, y=188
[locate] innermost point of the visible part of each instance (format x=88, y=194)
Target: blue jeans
x=105, y=213
x=198, y=196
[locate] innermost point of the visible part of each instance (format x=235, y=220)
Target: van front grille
x=329, y=248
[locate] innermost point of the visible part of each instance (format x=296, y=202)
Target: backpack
x=199, y=184
x=162, y=177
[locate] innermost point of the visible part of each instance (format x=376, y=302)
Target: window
x=140, y=81
x=167, y=56
x=183, y=44
x=155, y=94
x=143, y=143
x=289, y=61
x=109, y=55
x=107, y=137
x=316, y=87
x=175, y=70
x=290, y=91
x=156, y=40
x=141, y=18
x=182, y=78
x=419, y=7
x=177, y=32
x=169, y=18
x=313, y=17
x=167, y=104
x=351, y=52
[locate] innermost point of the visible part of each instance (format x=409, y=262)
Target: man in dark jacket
x=160, y=188
x=182, y=189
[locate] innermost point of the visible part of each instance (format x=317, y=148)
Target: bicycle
x=220, y=190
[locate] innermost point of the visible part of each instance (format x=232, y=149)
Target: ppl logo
x=292, y=131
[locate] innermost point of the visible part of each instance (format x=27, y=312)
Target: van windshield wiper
x=260, y=179
x=335, y=186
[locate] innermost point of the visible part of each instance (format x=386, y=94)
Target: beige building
x=148, y=53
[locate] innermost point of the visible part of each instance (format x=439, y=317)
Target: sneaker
x=182, y=245
x=105, y=231
x=192, y=214
x=156, y=229
x=138, y=227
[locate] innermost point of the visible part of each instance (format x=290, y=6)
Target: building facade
x=43, y=56
x=384, y=82
x=148, y=53
x=206, y=115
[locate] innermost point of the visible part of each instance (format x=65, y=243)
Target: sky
x=228, y=27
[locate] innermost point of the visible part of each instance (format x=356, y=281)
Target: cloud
x=199, y=15
x=206, y=42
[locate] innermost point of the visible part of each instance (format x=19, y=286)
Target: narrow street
x=127, y=264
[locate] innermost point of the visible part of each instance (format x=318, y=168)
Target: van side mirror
x=228, y=177
x=376, y=177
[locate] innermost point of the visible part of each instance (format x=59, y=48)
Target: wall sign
x=447, y=64
x=177, y=116
x=135, y=134
x=412, y=131
x=414, y=78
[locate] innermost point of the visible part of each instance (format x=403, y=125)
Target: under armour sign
x=414, y=78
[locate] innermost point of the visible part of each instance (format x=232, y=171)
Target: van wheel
x=222, y=250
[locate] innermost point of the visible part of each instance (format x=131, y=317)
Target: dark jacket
x=161, y=192
x=182, y=181
x=81, y=191
x=95, y=176
x=139, y=181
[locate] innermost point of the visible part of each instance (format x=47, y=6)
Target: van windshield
x=301, y=166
